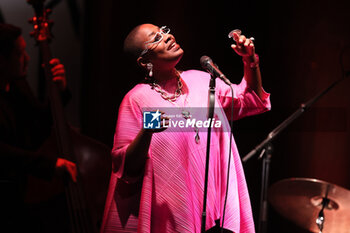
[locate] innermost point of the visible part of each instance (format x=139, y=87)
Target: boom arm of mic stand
x=274, y=133
x=303, y=107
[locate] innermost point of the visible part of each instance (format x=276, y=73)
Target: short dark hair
x=8, y=35
x=131, y=45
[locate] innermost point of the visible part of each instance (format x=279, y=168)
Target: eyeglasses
x=158, y=37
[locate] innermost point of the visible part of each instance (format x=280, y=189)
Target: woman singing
x=158, y=174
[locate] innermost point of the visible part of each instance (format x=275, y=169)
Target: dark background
x=299, y=44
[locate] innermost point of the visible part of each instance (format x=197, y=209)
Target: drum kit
x=312, y=204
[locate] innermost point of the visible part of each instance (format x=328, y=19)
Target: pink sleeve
x=246, y=102
x=128, y=126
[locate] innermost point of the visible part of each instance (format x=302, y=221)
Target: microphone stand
x=211, y=105
x=266, y=153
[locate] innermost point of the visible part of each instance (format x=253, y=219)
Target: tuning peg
x=32, y=20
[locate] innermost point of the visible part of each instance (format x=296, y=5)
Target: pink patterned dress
x=168, y=197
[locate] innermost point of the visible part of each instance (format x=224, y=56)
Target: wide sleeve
x=246, y=102
x=128, y=126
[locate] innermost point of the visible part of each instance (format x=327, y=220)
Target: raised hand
x=244, y=46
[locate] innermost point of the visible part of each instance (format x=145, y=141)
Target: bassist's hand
x=64, y=166
x=58, y=73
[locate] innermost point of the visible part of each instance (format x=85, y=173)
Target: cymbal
x=300, y=200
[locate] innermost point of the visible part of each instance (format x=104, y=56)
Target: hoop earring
x=150, y=69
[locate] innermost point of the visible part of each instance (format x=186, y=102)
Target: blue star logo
x=151, y=119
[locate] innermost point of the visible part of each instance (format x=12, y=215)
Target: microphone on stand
x=214, y=71
x=209, y=66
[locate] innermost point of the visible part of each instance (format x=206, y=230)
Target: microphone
x=209, y=66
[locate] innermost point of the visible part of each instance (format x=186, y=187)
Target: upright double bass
x=84, y=198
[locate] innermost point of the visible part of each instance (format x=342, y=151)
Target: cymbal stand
x=321, y=219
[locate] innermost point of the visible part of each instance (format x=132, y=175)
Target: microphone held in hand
x=209, y=66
